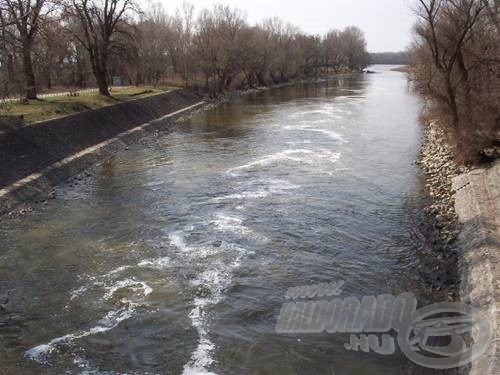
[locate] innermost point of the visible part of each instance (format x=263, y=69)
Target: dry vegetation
x=84, y=43
x=457, y=66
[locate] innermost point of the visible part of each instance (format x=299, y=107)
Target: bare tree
x=446, y=40
x=353, y=45
x=219, y=47
x=334, y=51
x=85, y=42
x=457, y=66
x=52, y=53
x=493, y=9
x=99, y=22
x=25, y=16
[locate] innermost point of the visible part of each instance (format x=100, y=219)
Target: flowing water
x=175, y=255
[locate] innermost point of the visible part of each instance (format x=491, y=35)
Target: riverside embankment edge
x=37, y=158
x=477, y=203
x=466, y=211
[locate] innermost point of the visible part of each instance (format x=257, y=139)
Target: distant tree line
x=457, y=66
x=82, y=43
x=390, y=58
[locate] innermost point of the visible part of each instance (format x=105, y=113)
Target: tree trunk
x=29, y=75
x=260, y=78
x=48, y=78
x=102, y=82
x=452, y=100
x=468, y=111
x=10, y=74
x=227, y=83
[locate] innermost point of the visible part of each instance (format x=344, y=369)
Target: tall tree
x=354, y=46
x=25, y=15
x=445, y=27
x=99, y=22
x=457, y=65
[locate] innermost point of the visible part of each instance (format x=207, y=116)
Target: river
x=175, y=255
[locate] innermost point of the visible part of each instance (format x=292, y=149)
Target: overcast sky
x=387, y=23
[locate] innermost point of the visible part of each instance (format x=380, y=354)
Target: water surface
x=176, y=254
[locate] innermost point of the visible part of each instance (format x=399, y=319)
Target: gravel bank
x=439, y=168
x=440, y=268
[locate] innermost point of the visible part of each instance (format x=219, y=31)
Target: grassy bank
x=16, y=114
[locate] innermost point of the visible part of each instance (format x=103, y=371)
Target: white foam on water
x=296, y=143
x=212, y=282
x=331, y=156
x=119, y=269
x=177, y=239
x=295, y=155
x=309, y=113
x=193, y=252
x=243, y=195
x=301, y=156
x=227, y=223
x=84, y=288
x=132, y=284
x=84, y=364
x=327, y=110
x=216, y=281
x=86, y=368
x=158, y=263
x=75, y=293
x=200, y=358
x=112, y=319
x=78, y=292
x=265, y=188
x=329, y=133
x=233, y=224
x=110, y=289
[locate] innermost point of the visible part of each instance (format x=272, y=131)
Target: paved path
x=64, y=93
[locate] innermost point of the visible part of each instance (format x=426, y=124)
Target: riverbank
x=465, y=208
x=37, y=158
x=442, y=226
x=439, y=169
x=41, y=156
x=15, y=114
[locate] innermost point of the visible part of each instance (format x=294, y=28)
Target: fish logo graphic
x=445, y=335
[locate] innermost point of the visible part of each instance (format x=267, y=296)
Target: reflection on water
x=176, y=254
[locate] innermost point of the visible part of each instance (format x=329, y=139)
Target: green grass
x=59, y=106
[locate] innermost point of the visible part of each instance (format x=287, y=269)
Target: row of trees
x=457, y=65
x=79, y=43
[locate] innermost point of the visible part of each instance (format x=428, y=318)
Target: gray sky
x=387, y=23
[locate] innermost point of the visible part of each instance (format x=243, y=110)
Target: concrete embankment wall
x=477, y=203
x=36, y=158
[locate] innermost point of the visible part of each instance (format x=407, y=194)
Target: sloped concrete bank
x=477, y=204
x=36, y=158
